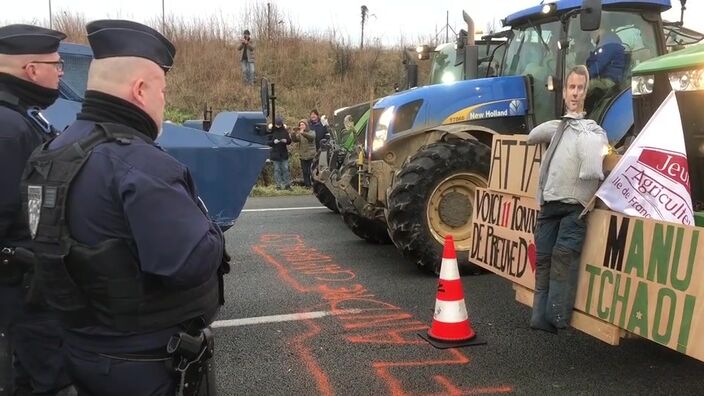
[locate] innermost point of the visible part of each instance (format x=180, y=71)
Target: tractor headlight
x=448, y=77
x=642, y=85
x=548, y=8
x=382, y=128
x=688, y=80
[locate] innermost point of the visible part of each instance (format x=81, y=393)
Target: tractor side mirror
x=266, y=109
x=590, y=15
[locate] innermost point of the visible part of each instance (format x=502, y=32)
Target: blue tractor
x=225, y=155
x=428, y=149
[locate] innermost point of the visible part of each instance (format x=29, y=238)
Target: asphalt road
x=311, y=309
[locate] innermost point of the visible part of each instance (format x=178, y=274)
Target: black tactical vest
x=17, y=271
x=100, y=284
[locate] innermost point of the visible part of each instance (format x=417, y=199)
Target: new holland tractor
x=428, y=149
x=225, y=160
x=448, y=64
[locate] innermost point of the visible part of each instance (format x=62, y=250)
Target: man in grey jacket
x=570, y=174
x=247, y=61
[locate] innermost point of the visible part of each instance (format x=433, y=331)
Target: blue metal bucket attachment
x=225, y=163
x=224, y=169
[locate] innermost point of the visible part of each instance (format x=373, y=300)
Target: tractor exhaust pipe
x=471, y=53
x=470, y=27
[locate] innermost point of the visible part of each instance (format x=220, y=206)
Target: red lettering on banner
x=672, y=165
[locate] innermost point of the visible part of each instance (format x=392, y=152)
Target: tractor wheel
x=372, y=231
x=320, y=190
x=433, y=196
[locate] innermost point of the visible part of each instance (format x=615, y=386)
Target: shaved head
x=116, y=75
x=136, y=80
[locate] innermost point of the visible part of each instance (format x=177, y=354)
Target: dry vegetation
x=310, y=69
x=320, y=70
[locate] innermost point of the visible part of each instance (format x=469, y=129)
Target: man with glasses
x=30, y=69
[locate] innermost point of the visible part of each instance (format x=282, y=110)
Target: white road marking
x=282, y=318
x=283, y=209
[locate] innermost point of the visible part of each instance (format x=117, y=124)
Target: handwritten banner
x=515, y=165
x=642, y=276
x=503, y=235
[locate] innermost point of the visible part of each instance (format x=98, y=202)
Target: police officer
x=30, y=69
x=125, y=250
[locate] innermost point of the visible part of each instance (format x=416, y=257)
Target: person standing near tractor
x=247, y=60
x=321, y=130
x=306, y=149
x=279, y=139
x=570, y=174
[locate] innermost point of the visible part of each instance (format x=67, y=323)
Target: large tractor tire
x=372, y=231
x=320, y=190
x=433, y=196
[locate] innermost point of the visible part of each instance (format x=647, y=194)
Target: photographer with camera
x=247, y=60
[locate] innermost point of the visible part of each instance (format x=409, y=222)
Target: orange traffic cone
x=451, y=326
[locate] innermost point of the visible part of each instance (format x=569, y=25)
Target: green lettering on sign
x=635, y=250
x=664, y=338
x=603, y=313
x=677, y=283
x=620, y=298
x=593, y=272
x=686, y=323
x=660, y=254
x=639, y=311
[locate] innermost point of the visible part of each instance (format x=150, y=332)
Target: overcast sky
x=389, y=21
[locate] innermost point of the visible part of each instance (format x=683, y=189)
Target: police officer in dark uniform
x=125, y=249
x=30, y=69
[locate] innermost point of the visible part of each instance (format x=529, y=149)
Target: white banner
x=652, y=178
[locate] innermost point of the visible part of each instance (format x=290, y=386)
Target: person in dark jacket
x=30, y=69
x=321, y=130
x=140, y=262
x=607, y=63
x=279, y=139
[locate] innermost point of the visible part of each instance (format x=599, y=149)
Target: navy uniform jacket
x=608, y=60
x=18, y=138
x=139, y=193
x=321, y=132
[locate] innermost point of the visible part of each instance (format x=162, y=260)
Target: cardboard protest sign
x=652, y=178
x=645, y=277
x=515, y=165
x=502, y=238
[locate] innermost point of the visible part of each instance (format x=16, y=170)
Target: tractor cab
x=609, y=38
x=448, y=63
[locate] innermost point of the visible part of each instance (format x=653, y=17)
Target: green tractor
x=683, y=72
x=330, y=158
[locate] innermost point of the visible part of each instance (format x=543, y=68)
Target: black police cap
x=110, y=38
x=29, y=39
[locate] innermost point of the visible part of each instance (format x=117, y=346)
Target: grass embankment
x=311, y=70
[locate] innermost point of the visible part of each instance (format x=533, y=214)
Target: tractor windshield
x=533, y=51
x=624, y=40
x=445, y=67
